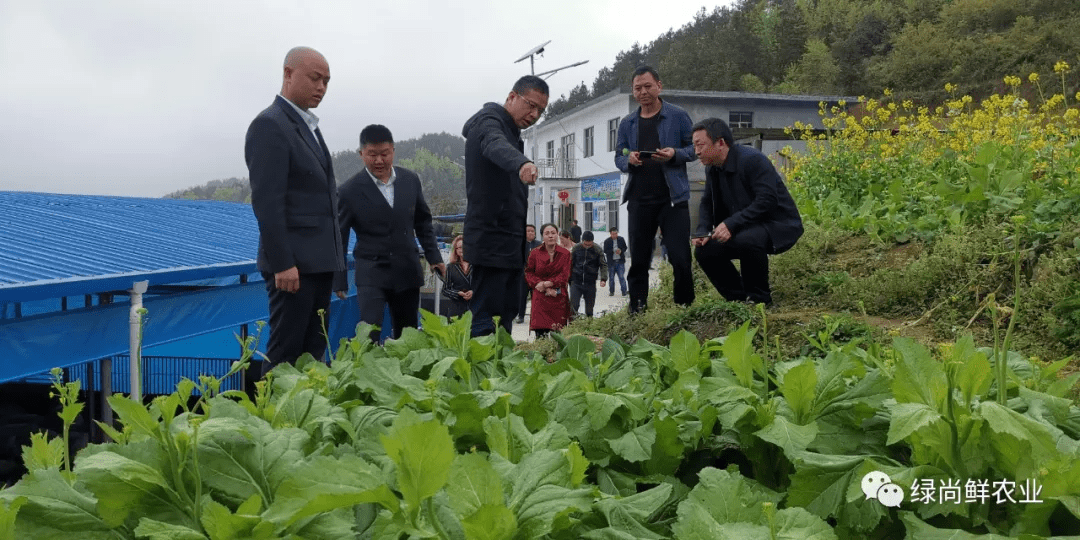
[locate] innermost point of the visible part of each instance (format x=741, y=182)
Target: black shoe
x=624, y=293
x=612, y=293
x=520, y=320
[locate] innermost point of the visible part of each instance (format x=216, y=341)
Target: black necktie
x=322, y=144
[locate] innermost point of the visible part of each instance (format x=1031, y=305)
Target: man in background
x=657, y=193
x=531, y=243
x=497, y=180
x=575, y=231
x=615, y=251
x=587, y=263
x=294, y=198
x=384, y=205
x=746, y=214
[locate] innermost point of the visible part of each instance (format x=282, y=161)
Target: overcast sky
x=145, y=97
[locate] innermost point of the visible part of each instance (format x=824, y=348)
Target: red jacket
x=549, y=312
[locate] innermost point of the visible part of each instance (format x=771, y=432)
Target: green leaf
x=919, y=530
x=728, y=506
x=791, y=437
x=150, y=529
x=974, y=375
x=578, y=464
x=640, y=505
x=726, y=498
x=540, y=468
x=124, y=486
x=57, y=510
x=918, y=378
x=472, y=484
x=799, y=387
x=43, y=453
x=600, y=407
x=324, y=483
x=636, y=445
x=1004, y=421
x=133, y=415
x=536, y=515
x=907, y=418
x=244, y=457
x=685, y=352
x=490, y=522
x=9, y=511
x=580, y=348
x=739, y=353
x=423, y=453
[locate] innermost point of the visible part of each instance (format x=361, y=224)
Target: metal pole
x=135, y=339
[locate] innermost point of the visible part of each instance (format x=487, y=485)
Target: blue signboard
x=602, y=187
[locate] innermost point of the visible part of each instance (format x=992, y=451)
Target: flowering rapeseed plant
x=901, y=171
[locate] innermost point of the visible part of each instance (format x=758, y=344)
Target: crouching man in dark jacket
x=746, y=214
x=587, y=262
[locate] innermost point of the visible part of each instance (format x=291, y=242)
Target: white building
x=575, y=151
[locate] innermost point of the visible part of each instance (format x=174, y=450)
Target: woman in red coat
x=547, y=273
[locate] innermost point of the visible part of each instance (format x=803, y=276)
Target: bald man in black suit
x=294, y=197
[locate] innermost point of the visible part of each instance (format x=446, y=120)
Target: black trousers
x=751, y=246
x=295, y=325
x=674, y=224
x=404, y=306
x=586, y=291
x=495, y=294
x=523, y=297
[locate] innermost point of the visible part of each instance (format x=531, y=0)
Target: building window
x=740, y=119
x=588, y=150
x=612, y=214
x=588, y=217
x=551, y=149
x=568, y=144
x=612, y=133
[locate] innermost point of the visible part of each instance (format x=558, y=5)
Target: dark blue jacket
x=674, y=131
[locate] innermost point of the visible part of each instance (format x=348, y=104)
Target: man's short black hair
x=641, y=70
x=587, y=236
x=613, y=229
x=530, y=226
x=531, y=82
x=375, y=134
x=575, y=221
x=715, y=128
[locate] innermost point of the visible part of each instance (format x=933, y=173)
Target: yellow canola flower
x=1033, y=77
x=1061, y=67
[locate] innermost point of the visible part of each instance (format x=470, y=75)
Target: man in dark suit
x=746, y=214
x=384, y=205
x=294, y=198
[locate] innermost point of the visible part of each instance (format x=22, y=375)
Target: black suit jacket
x=745, y=191
x=293, y=194
x=385, y=249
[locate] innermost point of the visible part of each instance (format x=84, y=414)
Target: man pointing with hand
x=497, y=180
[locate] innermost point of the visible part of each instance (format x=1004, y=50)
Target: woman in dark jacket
x=458, y=286
x=547, y=272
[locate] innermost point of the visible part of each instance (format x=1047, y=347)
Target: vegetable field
x=437, y=435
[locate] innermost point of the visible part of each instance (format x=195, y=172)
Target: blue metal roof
x=59, y=245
